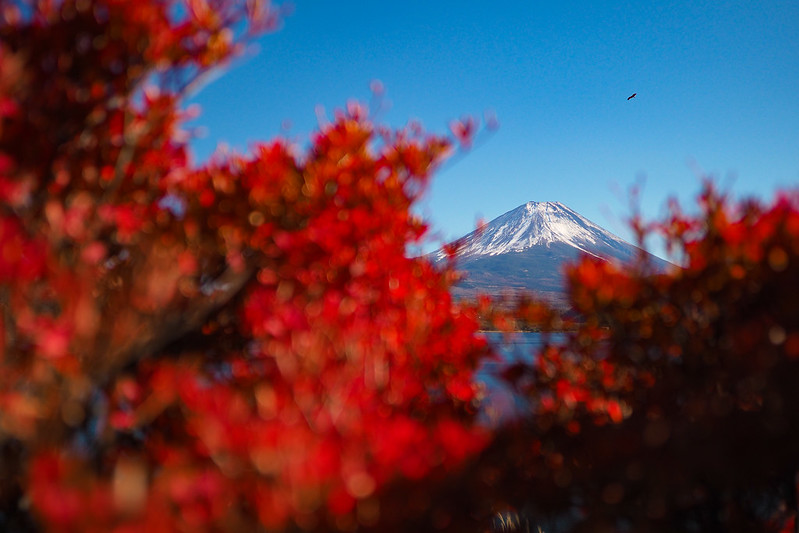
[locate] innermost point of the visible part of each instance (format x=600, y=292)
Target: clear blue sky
x=717, y=88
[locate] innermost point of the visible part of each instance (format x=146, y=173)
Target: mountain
x=527, y=247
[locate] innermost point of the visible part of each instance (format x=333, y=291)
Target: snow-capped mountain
x=526, y=248
x=542, y=224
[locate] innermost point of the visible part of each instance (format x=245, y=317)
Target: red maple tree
x=670, y=405
x=246, y=345
x=239, y=344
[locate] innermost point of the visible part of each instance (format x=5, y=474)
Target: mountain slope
x=527, y=247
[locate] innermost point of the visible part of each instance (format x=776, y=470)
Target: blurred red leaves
x=235, y=345
x=668, y=402
x=464, y=130
x=246, y=344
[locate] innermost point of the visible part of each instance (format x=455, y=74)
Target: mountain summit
x=543, y=224
x=527, y=247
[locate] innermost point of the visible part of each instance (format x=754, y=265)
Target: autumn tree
x=246, y=345
x=237, y=345
x=672, y=403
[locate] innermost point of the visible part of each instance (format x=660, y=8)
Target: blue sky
x=717, y=88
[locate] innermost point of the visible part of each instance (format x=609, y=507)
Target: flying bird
x=631, y=96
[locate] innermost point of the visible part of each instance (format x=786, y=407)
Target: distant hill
x=527, y=247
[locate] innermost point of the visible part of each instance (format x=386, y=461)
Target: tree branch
x=157, y=331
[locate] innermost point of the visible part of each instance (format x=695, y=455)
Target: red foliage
x=246, y=344
x=215, y=347
x=671, y=404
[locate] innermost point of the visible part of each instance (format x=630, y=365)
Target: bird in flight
x=631, y=96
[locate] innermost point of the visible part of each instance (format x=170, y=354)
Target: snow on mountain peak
x=537, y=224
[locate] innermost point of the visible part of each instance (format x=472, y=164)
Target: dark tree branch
x=159, y=330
